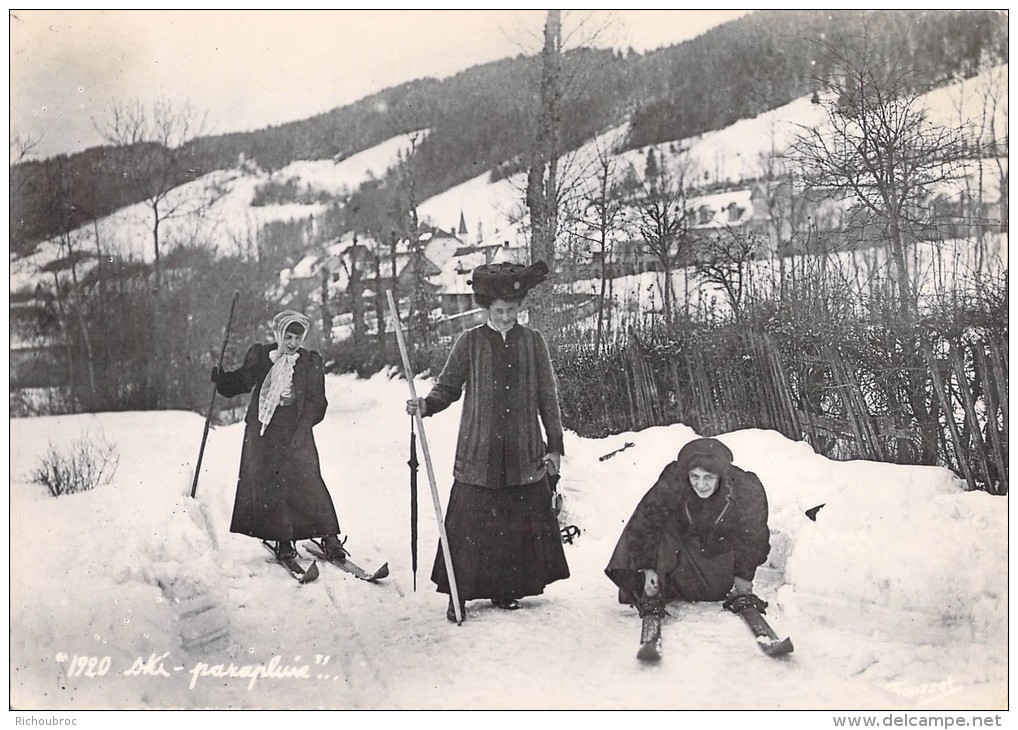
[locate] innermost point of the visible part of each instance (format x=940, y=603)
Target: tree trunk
x=326, y=312
x=542, y=178
x=600, y=301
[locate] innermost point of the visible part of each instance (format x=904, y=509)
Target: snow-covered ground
x=895, y=597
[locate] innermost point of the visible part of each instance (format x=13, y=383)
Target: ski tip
x=311, y=573
x=382, y=572
x=778, y=648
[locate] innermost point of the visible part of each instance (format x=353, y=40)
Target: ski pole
x=413, y=464
x=446, y=553
x=208, y=418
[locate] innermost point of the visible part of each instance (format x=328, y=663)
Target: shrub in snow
x=77, y=467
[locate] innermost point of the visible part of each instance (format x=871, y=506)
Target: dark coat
x=671, y=520
x=510, y=392
x=280, y=491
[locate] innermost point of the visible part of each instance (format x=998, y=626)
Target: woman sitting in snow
x=281, y=496
x=699, y=534
x=504, y=538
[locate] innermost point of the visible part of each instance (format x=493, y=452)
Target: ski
x=318, y=550
x=295, y=569
x=751, y=609
x=650, y=639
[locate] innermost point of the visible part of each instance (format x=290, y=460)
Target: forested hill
x=764, y=60
x=479, y=119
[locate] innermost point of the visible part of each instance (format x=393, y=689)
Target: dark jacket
x=308, y=384
x=510, y=391
x=671, y=515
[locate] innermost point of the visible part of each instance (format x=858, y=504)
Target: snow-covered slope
x=492, y=211
x=895, y=597
x=215, y=210
x=727, y=156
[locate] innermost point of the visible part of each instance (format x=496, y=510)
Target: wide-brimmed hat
x=507, y=281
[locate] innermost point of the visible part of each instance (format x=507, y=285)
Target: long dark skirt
x=698, y=576
x=280, y=491
x=504, y=542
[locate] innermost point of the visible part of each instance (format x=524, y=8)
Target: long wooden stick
x=409, y=373
x=208, y=418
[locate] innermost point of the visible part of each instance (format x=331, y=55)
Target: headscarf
x=280, y=378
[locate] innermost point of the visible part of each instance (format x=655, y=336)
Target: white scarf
x=279, y=381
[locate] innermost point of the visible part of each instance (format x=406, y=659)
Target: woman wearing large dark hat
x=504, y=537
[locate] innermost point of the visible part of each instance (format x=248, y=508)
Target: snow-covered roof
x=717, y=206
x=306, y=267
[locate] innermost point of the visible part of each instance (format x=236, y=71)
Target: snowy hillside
x=230, y=222
x=727, y=156
x=895, y=597
x=492, y=211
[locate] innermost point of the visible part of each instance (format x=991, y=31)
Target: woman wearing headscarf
x=698, y=534
x=504, y=538
x=281, y=496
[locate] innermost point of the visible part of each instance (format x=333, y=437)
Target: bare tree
x=725, y=259
x=22, y=147
x=156, y=137
x=542, y=177
x=550, y=181
x=662, y=218
x=597, y=217
x=882, y=153
x=994, y=141
x=879, y=148
x=355, y=260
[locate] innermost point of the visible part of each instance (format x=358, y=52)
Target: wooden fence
x=832, y=398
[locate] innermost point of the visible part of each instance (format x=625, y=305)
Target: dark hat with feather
x=505, y=281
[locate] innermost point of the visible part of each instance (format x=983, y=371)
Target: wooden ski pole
x=446, y=553
x=208, y=418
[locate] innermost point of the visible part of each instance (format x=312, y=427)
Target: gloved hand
x=216, y=373
x=552, y=462
x=742, y=586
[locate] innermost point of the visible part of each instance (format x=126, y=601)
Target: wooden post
x=409, y=373
x=992, y=397
x=945, y=405
x=970, y=414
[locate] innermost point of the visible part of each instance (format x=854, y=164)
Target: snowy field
x=134, y=596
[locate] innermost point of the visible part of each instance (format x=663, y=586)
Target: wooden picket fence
x=741, y=378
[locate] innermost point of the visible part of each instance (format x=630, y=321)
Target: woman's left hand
x=551, y=462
